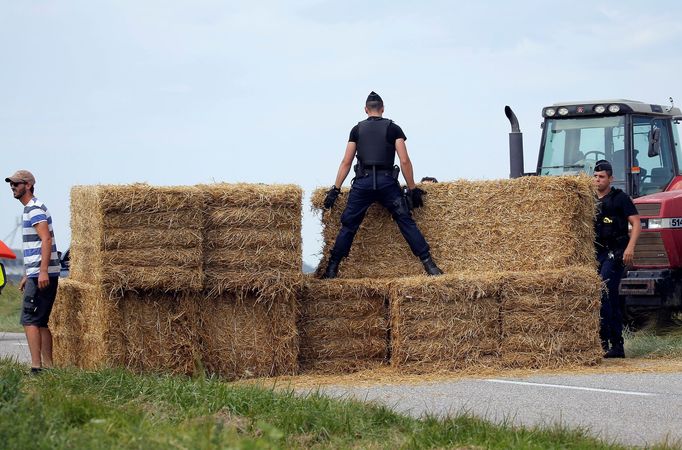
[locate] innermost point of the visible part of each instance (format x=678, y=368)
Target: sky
x=185, y=92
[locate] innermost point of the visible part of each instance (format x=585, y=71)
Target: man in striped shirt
x=42, y=269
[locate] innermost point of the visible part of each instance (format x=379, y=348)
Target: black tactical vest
x=611, y=225
x=372, y=147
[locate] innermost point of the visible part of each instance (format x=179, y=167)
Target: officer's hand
x=22, y=283
x=415, y=196
x=332, y=195
x=628, y=256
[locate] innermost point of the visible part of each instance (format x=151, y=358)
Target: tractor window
x=573, y=146
x=657, y=171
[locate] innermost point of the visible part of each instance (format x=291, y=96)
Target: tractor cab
x=641, y=142
x=639, y=139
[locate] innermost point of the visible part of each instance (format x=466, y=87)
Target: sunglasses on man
x=13, y=184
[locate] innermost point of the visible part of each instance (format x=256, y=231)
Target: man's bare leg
x=34, y=343
x=46, y=346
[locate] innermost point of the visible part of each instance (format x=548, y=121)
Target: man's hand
x=22, y=283
x=415, y=197
x=332, y=195
x=43, y=280
x=629, y=256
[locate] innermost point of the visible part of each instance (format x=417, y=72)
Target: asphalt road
x=14, y=345
x=633, y=409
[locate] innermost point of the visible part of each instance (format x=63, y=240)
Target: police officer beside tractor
x=615, y=248
x=374, y=142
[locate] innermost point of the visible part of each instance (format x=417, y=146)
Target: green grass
x=654, y=342
x=10, y=306
x=72, y=409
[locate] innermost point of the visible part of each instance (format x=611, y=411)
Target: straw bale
x=143, y=198
x=524, y=224
x=343, y=325
x=551, y=318
x=161, y=332
x=252, y=195
x=129, y=237
x=243, y=336
x=445, y=323
x=147, y=237
x=65, y=323
x=252, y=239
x=270, y=285
x=166, y=220
x=257, y=260
x=263, y=217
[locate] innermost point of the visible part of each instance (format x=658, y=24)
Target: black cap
x=374, y=97
x=602, y=165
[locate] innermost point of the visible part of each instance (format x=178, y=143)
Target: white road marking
x=577, y=388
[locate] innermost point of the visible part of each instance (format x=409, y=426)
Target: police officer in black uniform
x=375, y=142
x=615, y=248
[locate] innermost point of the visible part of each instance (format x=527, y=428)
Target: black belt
x=368, y=171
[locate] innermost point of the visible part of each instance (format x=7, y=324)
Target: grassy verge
x=67, y=408
x=654, y=342
x=10, y=305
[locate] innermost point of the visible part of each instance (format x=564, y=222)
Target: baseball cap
x=601, y=165
x=21, y=175
x=374, y=97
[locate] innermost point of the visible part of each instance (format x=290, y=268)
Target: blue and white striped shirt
x=35, y=212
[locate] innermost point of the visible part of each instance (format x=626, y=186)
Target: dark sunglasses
x=13, y=184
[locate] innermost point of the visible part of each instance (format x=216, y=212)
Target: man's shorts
x=38, y=303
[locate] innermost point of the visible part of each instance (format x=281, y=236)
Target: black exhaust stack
x=515, y=145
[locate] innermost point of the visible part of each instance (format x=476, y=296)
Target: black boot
x=617, y=350
x=431, y=267
x=332, y=269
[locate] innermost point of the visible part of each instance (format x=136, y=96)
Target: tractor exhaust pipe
x=515, y=145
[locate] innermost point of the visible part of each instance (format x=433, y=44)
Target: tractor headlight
x=655, y=223
x=614, y=108
x=549, y=112
x=599, y=109
x=563, y=111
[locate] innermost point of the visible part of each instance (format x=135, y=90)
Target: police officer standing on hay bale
x=615, y=248
x=375, y=142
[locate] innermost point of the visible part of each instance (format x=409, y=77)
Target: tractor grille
x=650, y=250
x=649, y=209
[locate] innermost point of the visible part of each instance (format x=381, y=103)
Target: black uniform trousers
x=389, y=195
x=611, y=271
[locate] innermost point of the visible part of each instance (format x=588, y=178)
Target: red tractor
x=642, y=143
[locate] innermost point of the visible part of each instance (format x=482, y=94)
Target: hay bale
x=161, y=332
x=551, y=318
x=65, y=323
x=251, y=237
x=243, y=335
x=524, y=224
x=450, y=322
x=85, y=325
x=137, y=237
x=343, y=325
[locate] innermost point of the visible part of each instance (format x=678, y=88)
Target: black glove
x=414, y=198
x=332, y=195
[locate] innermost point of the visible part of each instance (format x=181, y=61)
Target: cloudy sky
x=183, y=92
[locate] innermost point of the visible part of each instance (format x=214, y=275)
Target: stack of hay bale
x=252, y=264
x=344, y=325
x=161, y=284
x=519, y=262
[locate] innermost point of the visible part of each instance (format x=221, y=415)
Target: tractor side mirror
x=654, y=141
